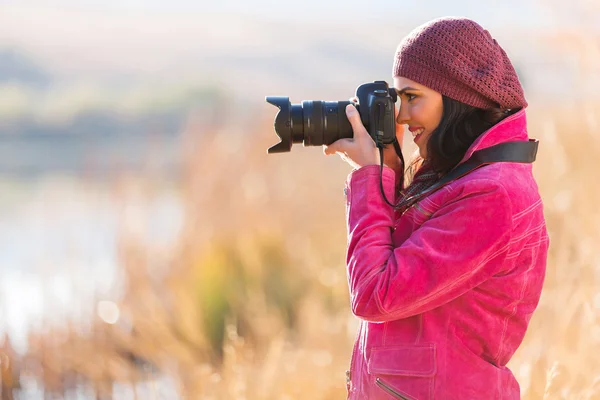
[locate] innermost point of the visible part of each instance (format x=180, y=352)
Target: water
x=58, y=244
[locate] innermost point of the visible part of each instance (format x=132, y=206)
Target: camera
x=315, y=122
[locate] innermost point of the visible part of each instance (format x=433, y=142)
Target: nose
x=402, y=117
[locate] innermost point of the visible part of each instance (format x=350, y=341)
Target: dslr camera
x=316, y=122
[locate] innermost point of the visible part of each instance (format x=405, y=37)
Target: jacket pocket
x=403, y=372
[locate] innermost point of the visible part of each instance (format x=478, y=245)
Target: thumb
x=354, y=118
x=400, y=128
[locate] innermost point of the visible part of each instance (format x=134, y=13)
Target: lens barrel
x=312, y=123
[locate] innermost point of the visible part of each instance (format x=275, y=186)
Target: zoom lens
x=312, y=123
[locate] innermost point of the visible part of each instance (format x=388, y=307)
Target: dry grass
x=252, y=302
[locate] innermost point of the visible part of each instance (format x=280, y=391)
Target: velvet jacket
x=445, y=291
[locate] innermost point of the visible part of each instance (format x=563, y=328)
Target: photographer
x=444, y=287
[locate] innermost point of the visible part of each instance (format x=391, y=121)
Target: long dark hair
x=460, y=125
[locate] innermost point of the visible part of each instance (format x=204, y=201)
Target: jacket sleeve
x=442, y=259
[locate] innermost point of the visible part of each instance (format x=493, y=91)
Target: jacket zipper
x=353, y=359
x=419, y=208
x=390, y=390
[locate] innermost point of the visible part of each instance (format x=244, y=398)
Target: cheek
x=426, y=115
x=418, y=113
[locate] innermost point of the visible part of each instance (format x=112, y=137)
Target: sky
x=197, y=39
x=519, y=12
x=173, y=39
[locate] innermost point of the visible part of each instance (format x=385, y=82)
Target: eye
x=410, y=97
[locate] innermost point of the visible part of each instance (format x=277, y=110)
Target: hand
x=361, y=149
x=390, y=158
x=358, y=151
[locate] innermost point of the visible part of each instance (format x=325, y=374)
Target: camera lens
x=312, y=123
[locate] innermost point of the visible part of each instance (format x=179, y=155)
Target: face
x=420, y=109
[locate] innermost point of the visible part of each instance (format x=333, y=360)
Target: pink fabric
x=445, y=291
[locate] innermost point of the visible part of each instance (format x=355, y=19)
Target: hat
x=461, y=60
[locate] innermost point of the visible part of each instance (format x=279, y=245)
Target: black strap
x=520, y=152
x=399, y=153
x=398, y=150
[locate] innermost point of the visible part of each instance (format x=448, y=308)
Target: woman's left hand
x=361, y=149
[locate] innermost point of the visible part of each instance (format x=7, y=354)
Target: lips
x=416, y=130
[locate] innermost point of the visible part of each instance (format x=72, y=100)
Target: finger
x=337, y=146
x=354, y=117
x=400, y=128
x=396, y=112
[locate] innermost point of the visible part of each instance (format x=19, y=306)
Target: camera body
x=315, y=122
x=377, y=102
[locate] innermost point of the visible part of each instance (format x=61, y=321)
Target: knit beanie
x=459, y=59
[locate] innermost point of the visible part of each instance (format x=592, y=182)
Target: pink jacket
x=445, y=291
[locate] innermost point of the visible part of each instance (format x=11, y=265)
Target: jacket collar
x=512, y=128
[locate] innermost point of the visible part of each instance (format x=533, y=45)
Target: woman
x=444, y=288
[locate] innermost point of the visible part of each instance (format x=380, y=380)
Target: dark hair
x=460, y=125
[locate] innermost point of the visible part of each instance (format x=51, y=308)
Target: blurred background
x=151, y=249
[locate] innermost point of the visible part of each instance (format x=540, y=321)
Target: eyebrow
x=401, y=92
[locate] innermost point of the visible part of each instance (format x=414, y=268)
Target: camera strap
x=517, y=151
x=398, y=150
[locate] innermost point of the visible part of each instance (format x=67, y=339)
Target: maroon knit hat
x=461, y=60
